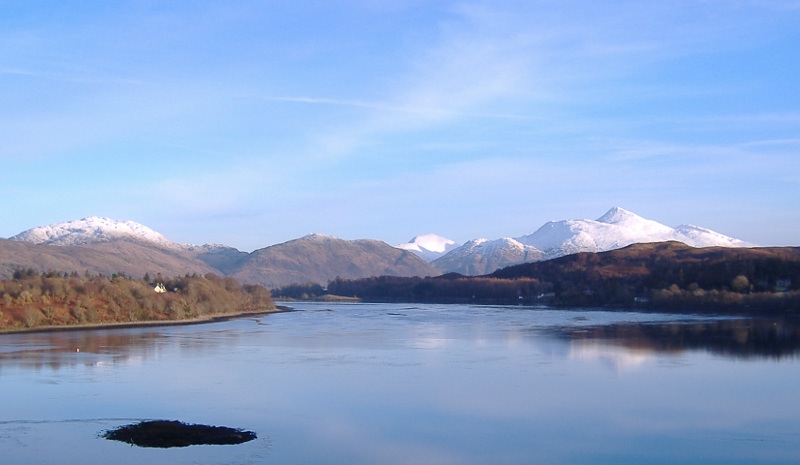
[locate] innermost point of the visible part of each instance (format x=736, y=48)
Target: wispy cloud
x=514, y=63
x=466, y=74
x=17, y=72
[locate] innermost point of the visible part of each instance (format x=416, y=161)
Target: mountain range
x=616, y=229
x=106, y=246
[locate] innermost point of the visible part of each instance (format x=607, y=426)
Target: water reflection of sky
x=405, y=384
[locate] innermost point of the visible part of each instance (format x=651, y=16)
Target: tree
x=740, y=283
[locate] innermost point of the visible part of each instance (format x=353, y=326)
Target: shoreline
x=213, y=318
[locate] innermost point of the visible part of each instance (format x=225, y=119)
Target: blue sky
x=251, y=123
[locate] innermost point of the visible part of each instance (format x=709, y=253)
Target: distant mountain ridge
x=319, y=258
x=92, y=230
x=103, y=245
x=616, y=229
x=106, y=246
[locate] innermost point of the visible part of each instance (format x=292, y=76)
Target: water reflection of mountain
x=737, y=338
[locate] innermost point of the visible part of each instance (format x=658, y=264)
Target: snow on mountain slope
x=702, y=237
x=482, y=256
x=633, y=223
x=93, y=230
x=428, y=246
x=616, y=229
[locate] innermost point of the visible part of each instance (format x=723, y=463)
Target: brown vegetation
x=34, y=300
x=673, y=275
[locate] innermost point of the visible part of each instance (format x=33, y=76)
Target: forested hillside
x=32, y=300
x=669, y=275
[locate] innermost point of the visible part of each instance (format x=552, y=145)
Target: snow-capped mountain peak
x=619, y=215
x=319, y=237
x=92, y=229
x=428, y=246
x=633, y=222
x=617, y=228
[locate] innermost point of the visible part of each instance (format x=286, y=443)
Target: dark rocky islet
x=172, y=433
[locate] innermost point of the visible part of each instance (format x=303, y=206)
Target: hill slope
x=131, y=257
x=318, y=258
x=669, y=272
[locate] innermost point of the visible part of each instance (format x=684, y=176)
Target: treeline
x=453, y=288
x=665, y=276
x=32, y=299
x=450, y=288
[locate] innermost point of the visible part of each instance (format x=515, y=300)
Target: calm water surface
x=386, y=384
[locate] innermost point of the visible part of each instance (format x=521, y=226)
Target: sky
x=254, y=122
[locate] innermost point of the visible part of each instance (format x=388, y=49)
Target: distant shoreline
x=214, y=318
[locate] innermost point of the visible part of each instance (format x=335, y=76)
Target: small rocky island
x=172, y=433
